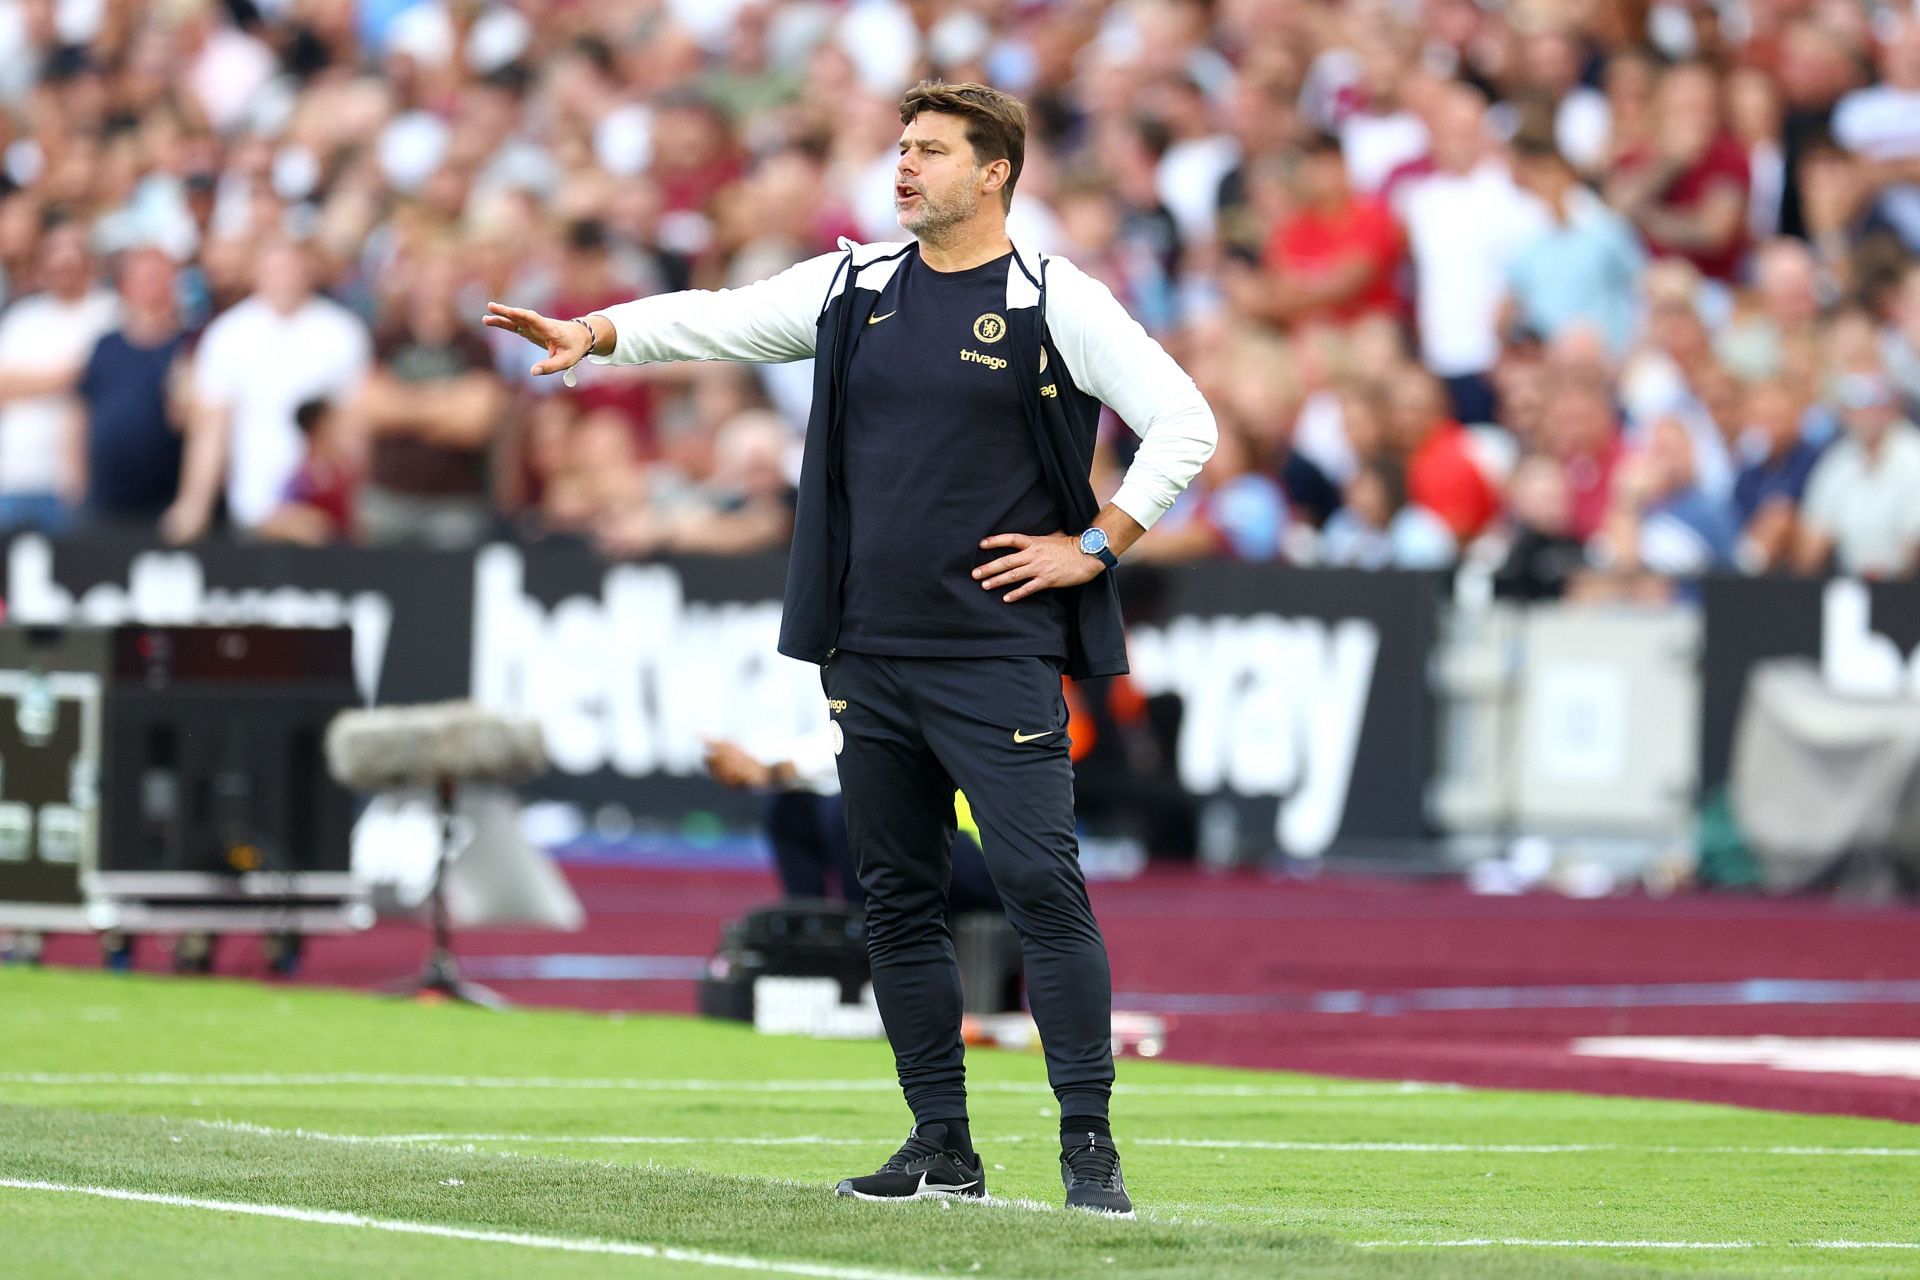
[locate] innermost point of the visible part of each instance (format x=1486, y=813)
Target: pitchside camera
x=169, y=779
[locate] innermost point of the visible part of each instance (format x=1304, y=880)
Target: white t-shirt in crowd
x=262, y=366
x=1869, y=508
x=1883, y=123
x=38, y=334
x=1374, y=146
x=1188, y=182
x=1464, y=230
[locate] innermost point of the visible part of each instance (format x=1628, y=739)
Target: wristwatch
x=1094, y=543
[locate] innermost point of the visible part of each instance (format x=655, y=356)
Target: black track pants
x=909, y=731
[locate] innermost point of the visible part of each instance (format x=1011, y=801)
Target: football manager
x=949, y=563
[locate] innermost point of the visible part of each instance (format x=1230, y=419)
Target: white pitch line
x=608, y=1139
x=1518, y=1148
x=1226, y=1144
x=526, y=1240
x=166, y=1079
x=1636, y=1244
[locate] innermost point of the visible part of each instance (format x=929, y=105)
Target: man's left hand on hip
x=1036, y=563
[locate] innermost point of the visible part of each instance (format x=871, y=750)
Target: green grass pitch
x=266, y=1132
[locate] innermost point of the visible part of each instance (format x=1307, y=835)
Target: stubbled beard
x=936, y=219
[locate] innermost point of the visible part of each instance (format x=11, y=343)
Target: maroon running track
x=1339, y=975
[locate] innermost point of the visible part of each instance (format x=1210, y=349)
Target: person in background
x=428, y=411
x=1881, y=124
x=1583, y=433
x=317, y=507
x=45, y=341
x=1900, y=340
x=1465, y=221
x=1543, y=554
x=746, y=506
x=1333, y=258
x=1584, y=266
x=1862, y=510
x=1686, y=188
x=1659, y=525
x=1768, y=491
x=1442, y=474
x=804, y=817
x=1232, y=510
x=1379, y=528
x=135, y=400
x=258, y=363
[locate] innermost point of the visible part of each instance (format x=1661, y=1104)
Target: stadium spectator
x=1660, y=529
x=746, y=506
x=1333, y=257
x=1754, y=117
x=1768, y=492
x=1232, y=510
x=1900, y=341
x=1784, y=312
x=1880, y=123
x=1549, y=88
x=1442, y=474
x=1378, y=527
x=1860, y=515
x=134, y=396
x=1183, y=154
x=45, y=340
x=1583, y=433
x=1584, y=266
x=428, y=413
x=1465, y=221
x=1685, y=187
x=316, y=507
x=1666, y=377
x=1542, y=555
x=258, y=363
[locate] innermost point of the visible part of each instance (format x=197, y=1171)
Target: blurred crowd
x=1593, y=294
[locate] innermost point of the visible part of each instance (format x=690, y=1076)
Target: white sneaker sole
x=929, y=1194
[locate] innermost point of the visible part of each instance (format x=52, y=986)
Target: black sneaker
x=1090, y=1168
x=922, y=1169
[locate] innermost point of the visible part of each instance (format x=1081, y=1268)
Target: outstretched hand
x=566, y=341
x=1037, y=563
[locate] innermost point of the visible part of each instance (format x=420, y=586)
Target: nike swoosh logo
x=1029, y=737
x=888, y=316
x=948, y=1188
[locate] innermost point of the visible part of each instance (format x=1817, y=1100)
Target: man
x=1861, y=515
x=259, y=362
x=957, y=387
x=428, y=412
x=1881, y=124
x=131, y=393
x=1466, y=221
x=1441, y=472
x=1584, y=265
x=1768, y=491
x=1332, y=259
x=44, y=341
x=1686, y=189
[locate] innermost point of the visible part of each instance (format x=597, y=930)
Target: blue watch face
x=1093, y=541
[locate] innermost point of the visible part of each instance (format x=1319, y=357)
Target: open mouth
x=903, y=193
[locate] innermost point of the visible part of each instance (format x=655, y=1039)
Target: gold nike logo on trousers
x=1029, y=737
x=888, y=316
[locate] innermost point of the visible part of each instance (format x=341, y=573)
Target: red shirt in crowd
x=1443, y=477
x=1311, y=243
x=1724, y=161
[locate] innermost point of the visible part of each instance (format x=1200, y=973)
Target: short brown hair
x=996, y=122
